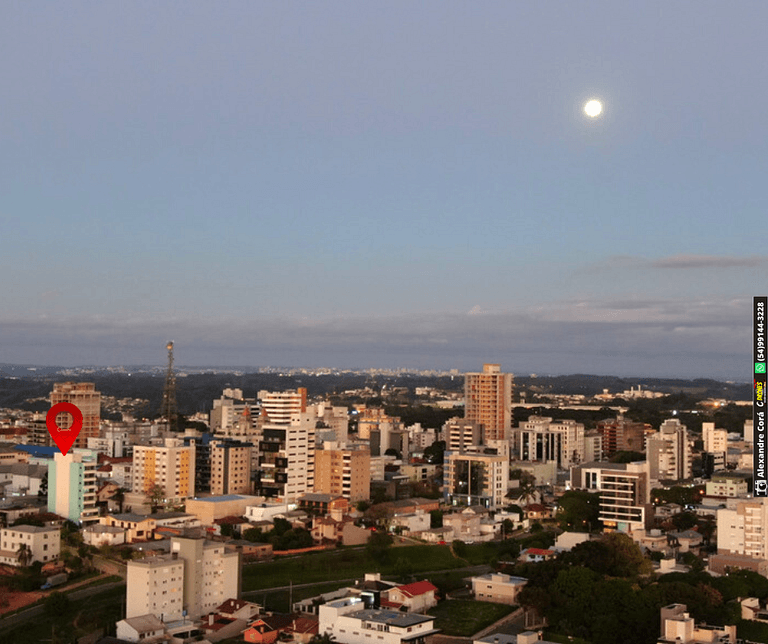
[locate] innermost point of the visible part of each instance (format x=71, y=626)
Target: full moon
x=593, y=108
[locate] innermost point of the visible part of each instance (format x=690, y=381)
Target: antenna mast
x=169, y=409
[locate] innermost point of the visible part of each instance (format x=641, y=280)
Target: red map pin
x=64, y=437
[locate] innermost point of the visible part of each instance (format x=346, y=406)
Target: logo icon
x=759, y=367
x=64, y=438
x=761, y=487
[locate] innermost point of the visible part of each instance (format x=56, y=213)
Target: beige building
x=197, y=576
x=742, y=527
x=461, y=434
x=669, y=452
x=42, y=544
x=498, y=588
x=85, y=397
x=171, y=467
x=715, y=440
x=343, y=471
x=625, y=493
x=488, y=400
x=475, y=479
x=230, y=467
x=678, y=627
x=726, y=484
x=209, y=509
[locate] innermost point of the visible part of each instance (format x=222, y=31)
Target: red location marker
x=64, y=437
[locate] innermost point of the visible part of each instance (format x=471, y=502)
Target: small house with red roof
x=417, y=597
x=533, y=555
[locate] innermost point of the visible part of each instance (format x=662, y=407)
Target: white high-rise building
x=715, y=440
x=287, y=446
x=542, y=439
x=72, y=485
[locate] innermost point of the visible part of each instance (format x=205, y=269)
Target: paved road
x=7, y=623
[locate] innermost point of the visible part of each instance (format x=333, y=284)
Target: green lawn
x=85, y=616
x=464, y=618
x=346, y=564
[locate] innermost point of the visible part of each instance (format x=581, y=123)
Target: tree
x=155, y=498
x=578, y=510
x=23, y=554
x=436, y=519
x=119, y=497
x=323, y=638
x=42, y=491
x=57, y=605
x=378, y=546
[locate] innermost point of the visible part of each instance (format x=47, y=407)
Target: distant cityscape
x=385, y=481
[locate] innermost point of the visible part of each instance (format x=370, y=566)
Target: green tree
x=23, y=555
x=378, y=546
x=436, y=519
x=578, y=510
x=57, y=606
x=155, y=498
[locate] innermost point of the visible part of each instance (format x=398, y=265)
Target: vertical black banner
x=758, y=396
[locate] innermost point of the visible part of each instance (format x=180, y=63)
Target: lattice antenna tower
x=169, y=409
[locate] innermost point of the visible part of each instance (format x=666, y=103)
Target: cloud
x=681, y=261
x=709, y=261
x=685, y=338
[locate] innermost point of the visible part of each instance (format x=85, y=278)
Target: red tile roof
x=417, y=588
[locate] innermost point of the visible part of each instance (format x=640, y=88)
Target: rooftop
x=392, y=617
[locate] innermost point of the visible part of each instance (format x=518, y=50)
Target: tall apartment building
x=230, y=467
x=461, y=434
x=72, y=485
x=343, y=471
x=475, y=479
x=669, y=452
x=625, y=493
x=488, y=400
x=715, y=440
x=382, y=432
x=228, y=412
x=622, y=435
x=85, y=397
x=742, y=527
x=197, y=576
x=336, y=421
x=542, y=439
x=171, y=466
x=287, y=446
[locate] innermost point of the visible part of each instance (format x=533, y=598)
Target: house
x=411, y=522
x=103, y=535
x=321, y=504
x=678, y=627
x=688, y=540
x=238, y=608
x=348, y=621
x=751, y=610
x=537, y=512
x=417, y=597
x=268, y=628
x=533, y=555
x=342, y=530
x=251, y=551
x=498, y=588
x=138, y=527
x=465, y=524
x=143, y=628
x=437, y=535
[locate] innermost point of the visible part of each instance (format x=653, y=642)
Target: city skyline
x=388, y=185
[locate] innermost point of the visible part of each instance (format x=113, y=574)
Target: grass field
x=85, y=616
x=332, y=565
x=464, y=618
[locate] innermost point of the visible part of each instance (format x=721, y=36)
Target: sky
x=384, y=184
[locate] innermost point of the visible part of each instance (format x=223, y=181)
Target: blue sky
x=384, y=184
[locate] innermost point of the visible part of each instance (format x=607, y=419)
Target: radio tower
x=169, y=409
